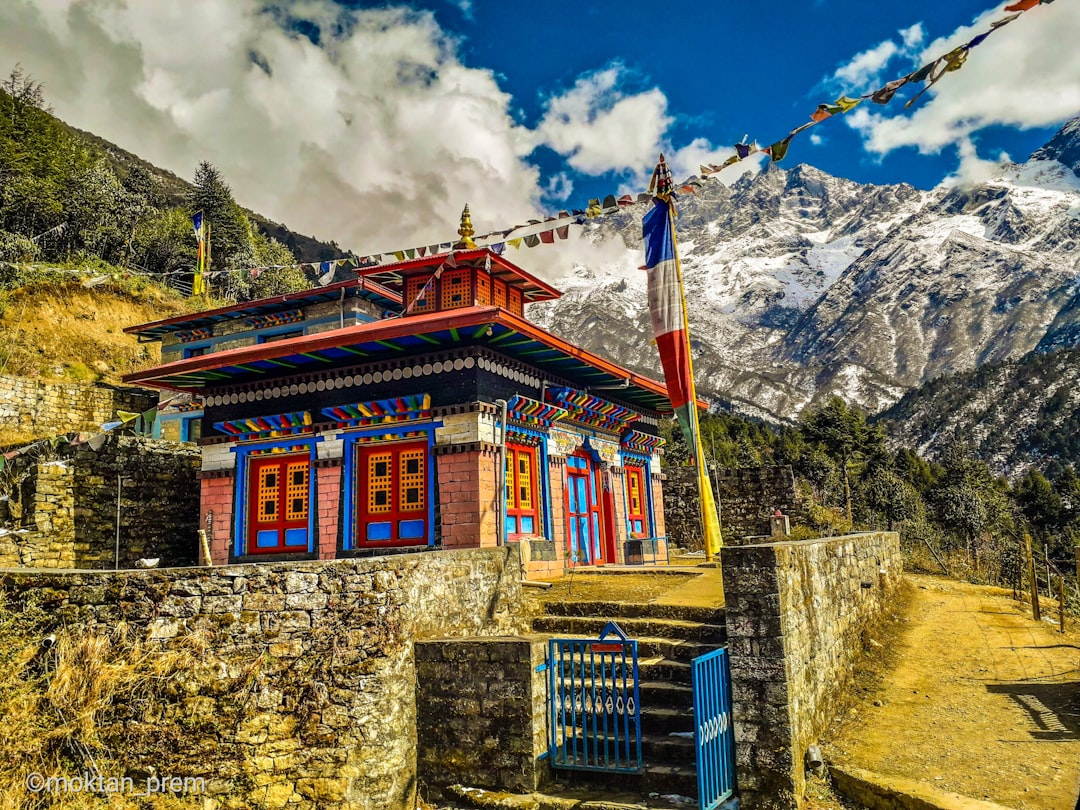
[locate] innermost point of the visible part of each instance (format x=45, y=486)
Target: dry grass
x=71, y=704
x=68, y=332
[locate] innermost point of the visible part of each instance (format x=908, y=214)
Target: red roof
x=533, y=289
x=185, y=374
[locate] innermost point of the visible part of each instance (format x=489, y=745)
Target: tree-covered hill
x=1016, y=416
x=68, y=196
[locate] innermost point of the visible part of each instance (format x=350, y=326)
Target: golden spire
x=466, y=231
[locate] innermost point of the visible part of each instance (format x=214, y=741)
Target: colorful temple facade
x=412, y=407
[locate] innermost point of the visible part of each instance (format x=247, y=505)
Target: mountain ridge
x=801, y=285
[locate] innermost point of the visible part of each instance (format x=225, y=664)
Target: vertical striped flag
x=667, y=309
x=198, y=224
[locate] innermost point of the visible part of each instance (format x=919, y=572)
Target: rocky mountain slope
x=176, y=189
x=1014, y=415
x=802, y=285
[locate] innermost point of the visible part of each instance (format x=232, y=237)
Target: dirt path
x=982, y=701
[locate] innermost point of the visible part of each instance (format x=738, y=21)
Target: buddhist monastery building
x=414, y=407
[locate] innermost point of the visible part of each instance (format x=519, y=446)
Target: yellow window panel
x=411, y=481
x=380, y=483
x=296, y=491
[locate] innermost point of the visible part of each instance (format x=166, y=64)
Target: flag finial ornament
x=466, y=230
x=661, y=185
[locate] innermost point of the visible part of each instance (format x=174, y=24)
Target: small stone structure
x=797, y=614
x=49, y=408
x=65, y=510
x=310, y=699
x=747, y=498
x=481, y=706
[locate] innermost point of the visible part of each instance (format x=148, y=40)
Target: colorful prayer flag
x=667, y=310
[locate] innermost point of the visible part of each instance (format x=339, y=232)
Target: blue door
x=583, y=512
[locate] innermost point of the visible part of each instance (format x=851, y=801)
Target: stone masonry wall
x=45, y=537
x=797, y=614
x=747, y=497
x=66, y=509
x=308, y=699
x=481, y=709
x=159, y=502
x=49, y=408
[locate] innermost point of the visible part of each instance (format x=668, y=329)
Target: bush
x=14, y=247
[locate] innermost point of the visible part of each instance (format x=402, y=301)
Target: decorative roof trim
x=637, y=442
x=276, y=318
x=266, y=427
x=382, y=411
x=533, y=412
x=589, y=409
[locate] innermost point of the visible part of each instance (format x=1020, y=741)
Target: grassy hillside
x=54, y=328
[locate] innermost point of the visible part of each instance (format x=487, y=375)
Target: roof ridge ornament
x=465, y=231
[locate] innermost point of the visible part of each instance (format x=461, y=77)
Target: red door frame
x=279, y=523
x=595, y=510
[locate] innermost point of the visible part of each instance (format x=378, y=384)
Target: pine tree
x=230, y=233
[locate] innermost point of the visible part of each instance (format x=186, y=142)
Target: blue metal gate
x=594, y=703
x=714, y=738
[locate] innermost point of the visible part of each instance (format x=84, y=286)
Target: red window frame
x=516, y=301
x=498, y=292
x=522, y=491
x=637, y=502
x=278, y=503
x=391, y=504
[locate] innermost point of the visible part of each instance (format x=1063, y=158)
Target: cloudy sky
x=371, y=124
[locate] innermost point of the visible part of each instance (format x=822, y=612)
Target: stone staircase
x=669, y=637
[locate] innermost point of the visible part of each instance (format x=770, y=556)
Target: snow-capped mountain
x=801, y=285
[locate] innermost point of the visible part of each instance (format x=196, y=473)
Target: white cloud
x=375, y=137
x=1027, y=74
x=866, y=67
x=974, y=170
x=816, y=139
x=686, y=161
x=913, y=37
x=864, y=71
x=559, y=187
x=600, y=128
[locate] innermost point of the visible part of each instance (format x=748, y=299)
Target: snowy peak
x=802, y=285
x=1064, y=147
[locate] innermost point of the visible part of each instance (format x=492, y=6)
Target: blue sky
x=726, y=69
x=371, y=124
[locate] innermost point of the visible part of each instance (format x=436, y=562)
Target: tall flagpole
x=708, y=513
x=671, y=329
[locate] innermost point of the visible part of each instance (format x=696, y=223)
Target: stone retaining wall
x=49, y=408
x=797, y=617
x=66, y=509
x=309, y=696
x=747, y=498
x=481, y=708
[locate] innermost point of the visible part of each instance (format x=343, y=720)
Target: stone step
x=634, y=627
x=636, y=610
x=584, y=797
x=665, y=749
x=658, y=668
x=665, y=693
x=662, y=721
x=673, y=649
x=658, y=781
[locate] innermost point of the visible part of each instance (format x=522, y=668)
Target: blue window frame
x=299, y=539
x=387, y=474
